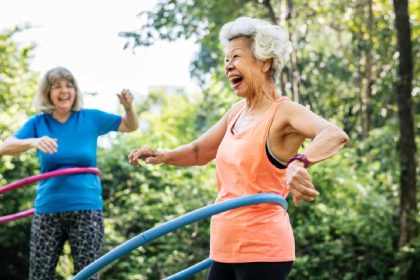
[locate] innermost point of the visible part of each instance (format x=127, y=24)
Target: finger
x=140, y=154
x=130, y=155
x=134, y=157
x=307, y=187
x=52, y=145
x=303, y=184
x=43, y=147
x=152, y=160
x=304, y=196
x=304, y=191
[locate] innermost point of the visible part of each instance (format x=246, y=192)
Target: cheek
x=52, y=97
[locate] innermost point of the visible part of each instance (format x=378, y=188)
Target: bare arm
x=327, y=140
x=198, y=152
x=14, y=146
x=129, y=121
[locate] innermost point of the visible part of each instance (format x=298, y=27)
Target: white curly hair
x=268, y=41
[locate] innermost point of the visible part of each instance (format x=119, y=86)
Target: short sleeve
x=105, y=122
x=28, y=130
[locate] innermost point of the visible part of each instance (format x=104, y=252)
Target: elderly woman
x=65, y=135
x=256, y=146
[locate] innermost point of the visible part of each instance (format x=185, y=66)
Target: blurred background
x=354, y=62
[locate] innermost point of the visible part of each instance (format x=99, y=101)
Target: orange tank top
x=256, y=233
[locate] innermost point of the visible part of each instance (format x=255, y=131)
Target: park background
x=354, y=63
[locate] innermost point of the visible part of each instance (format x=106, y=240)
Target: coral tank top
x=255, y=233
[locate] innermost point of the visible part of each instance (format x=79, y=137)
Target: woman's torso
x=77, y=144
x=253, y=233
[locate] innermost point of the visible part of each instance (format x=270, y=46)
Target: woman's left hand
x=299, y=183
x=126, y=98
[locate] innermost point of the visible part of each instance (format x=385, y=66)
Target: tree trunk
x=405, y=113
x=285, y=18
x=367, y=124
x=295, y=76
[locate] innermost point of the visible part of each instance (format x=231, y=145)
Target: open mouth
x=63, y=98
x=236, y=81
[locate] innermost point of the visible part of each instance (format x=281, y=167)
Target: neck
x=61, y=116
x=263, y=96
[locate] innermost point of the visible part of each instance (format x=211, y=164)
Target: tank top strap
x=235, y=117
x=267, y=119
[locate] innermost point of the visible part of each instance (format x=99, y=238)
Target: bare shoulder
x=288, y=106
x=285, y=110
x=292, y=117
x=234, y=109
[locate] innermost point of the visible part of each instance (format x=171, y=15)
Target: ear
x=266, y=65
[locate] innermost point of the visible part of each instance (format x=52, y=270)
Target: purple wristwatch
x=300, y=157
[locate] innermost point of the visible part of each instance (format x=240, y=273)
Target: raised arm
x=14, y=146
x=129, y=121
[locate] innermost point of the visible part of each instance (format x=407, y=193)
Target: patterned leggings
x=83, y=229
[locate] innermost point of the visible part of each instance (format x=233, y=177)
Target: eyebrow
x=229, y=53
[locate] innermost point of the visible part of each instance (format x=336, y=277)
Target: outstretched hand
x=148, y=155
x=299, y=183
x=126, y=98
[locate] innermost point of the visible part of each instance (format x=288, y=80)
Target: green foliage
x=17, y=82
x=17, y=86
x=137, y=199
x=350, y=232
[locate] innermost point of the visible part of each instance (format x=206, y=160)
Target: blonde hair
x=42, y=100
x=268, y=41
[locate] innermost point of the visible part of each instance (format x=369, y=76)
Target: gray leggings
x=83, y=229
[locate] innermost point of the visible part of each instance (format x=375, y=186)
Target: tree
x=407, y=145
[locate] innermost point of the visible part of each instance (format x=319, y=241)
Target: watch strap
x=300, y=157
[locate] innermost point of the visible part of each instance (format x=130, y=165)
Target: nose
x=229, y=67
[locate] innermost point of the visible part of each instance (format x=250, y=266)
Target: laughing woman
x=255, y=145
x=64, y=136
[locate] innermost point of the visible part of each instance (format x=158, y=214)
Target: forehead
x=56, y=80
x=239, y=43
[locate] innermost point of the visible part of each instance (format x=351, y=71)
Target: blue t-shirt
x=77, y=143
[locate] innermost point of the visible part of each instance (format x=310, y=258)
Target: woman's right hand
x=146, y=154
x=45, y=144
x=299, y=183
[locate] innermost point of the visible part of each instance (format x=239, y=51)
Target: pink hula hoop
x=39, y=177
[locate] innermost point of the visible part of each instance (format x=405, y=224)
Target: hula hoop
x=162, y=229
x=39, y=177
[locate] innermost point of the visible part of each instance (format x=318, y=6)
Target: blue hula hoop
x=174, y=224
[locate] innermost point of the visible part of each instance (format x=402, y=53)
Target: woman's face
x=62, y=95
x=242, y=69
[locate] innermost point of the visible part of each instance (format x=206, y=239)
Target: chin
x=239, y=93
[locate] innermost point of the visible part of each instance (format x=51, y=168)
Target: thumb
x=152, y=160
